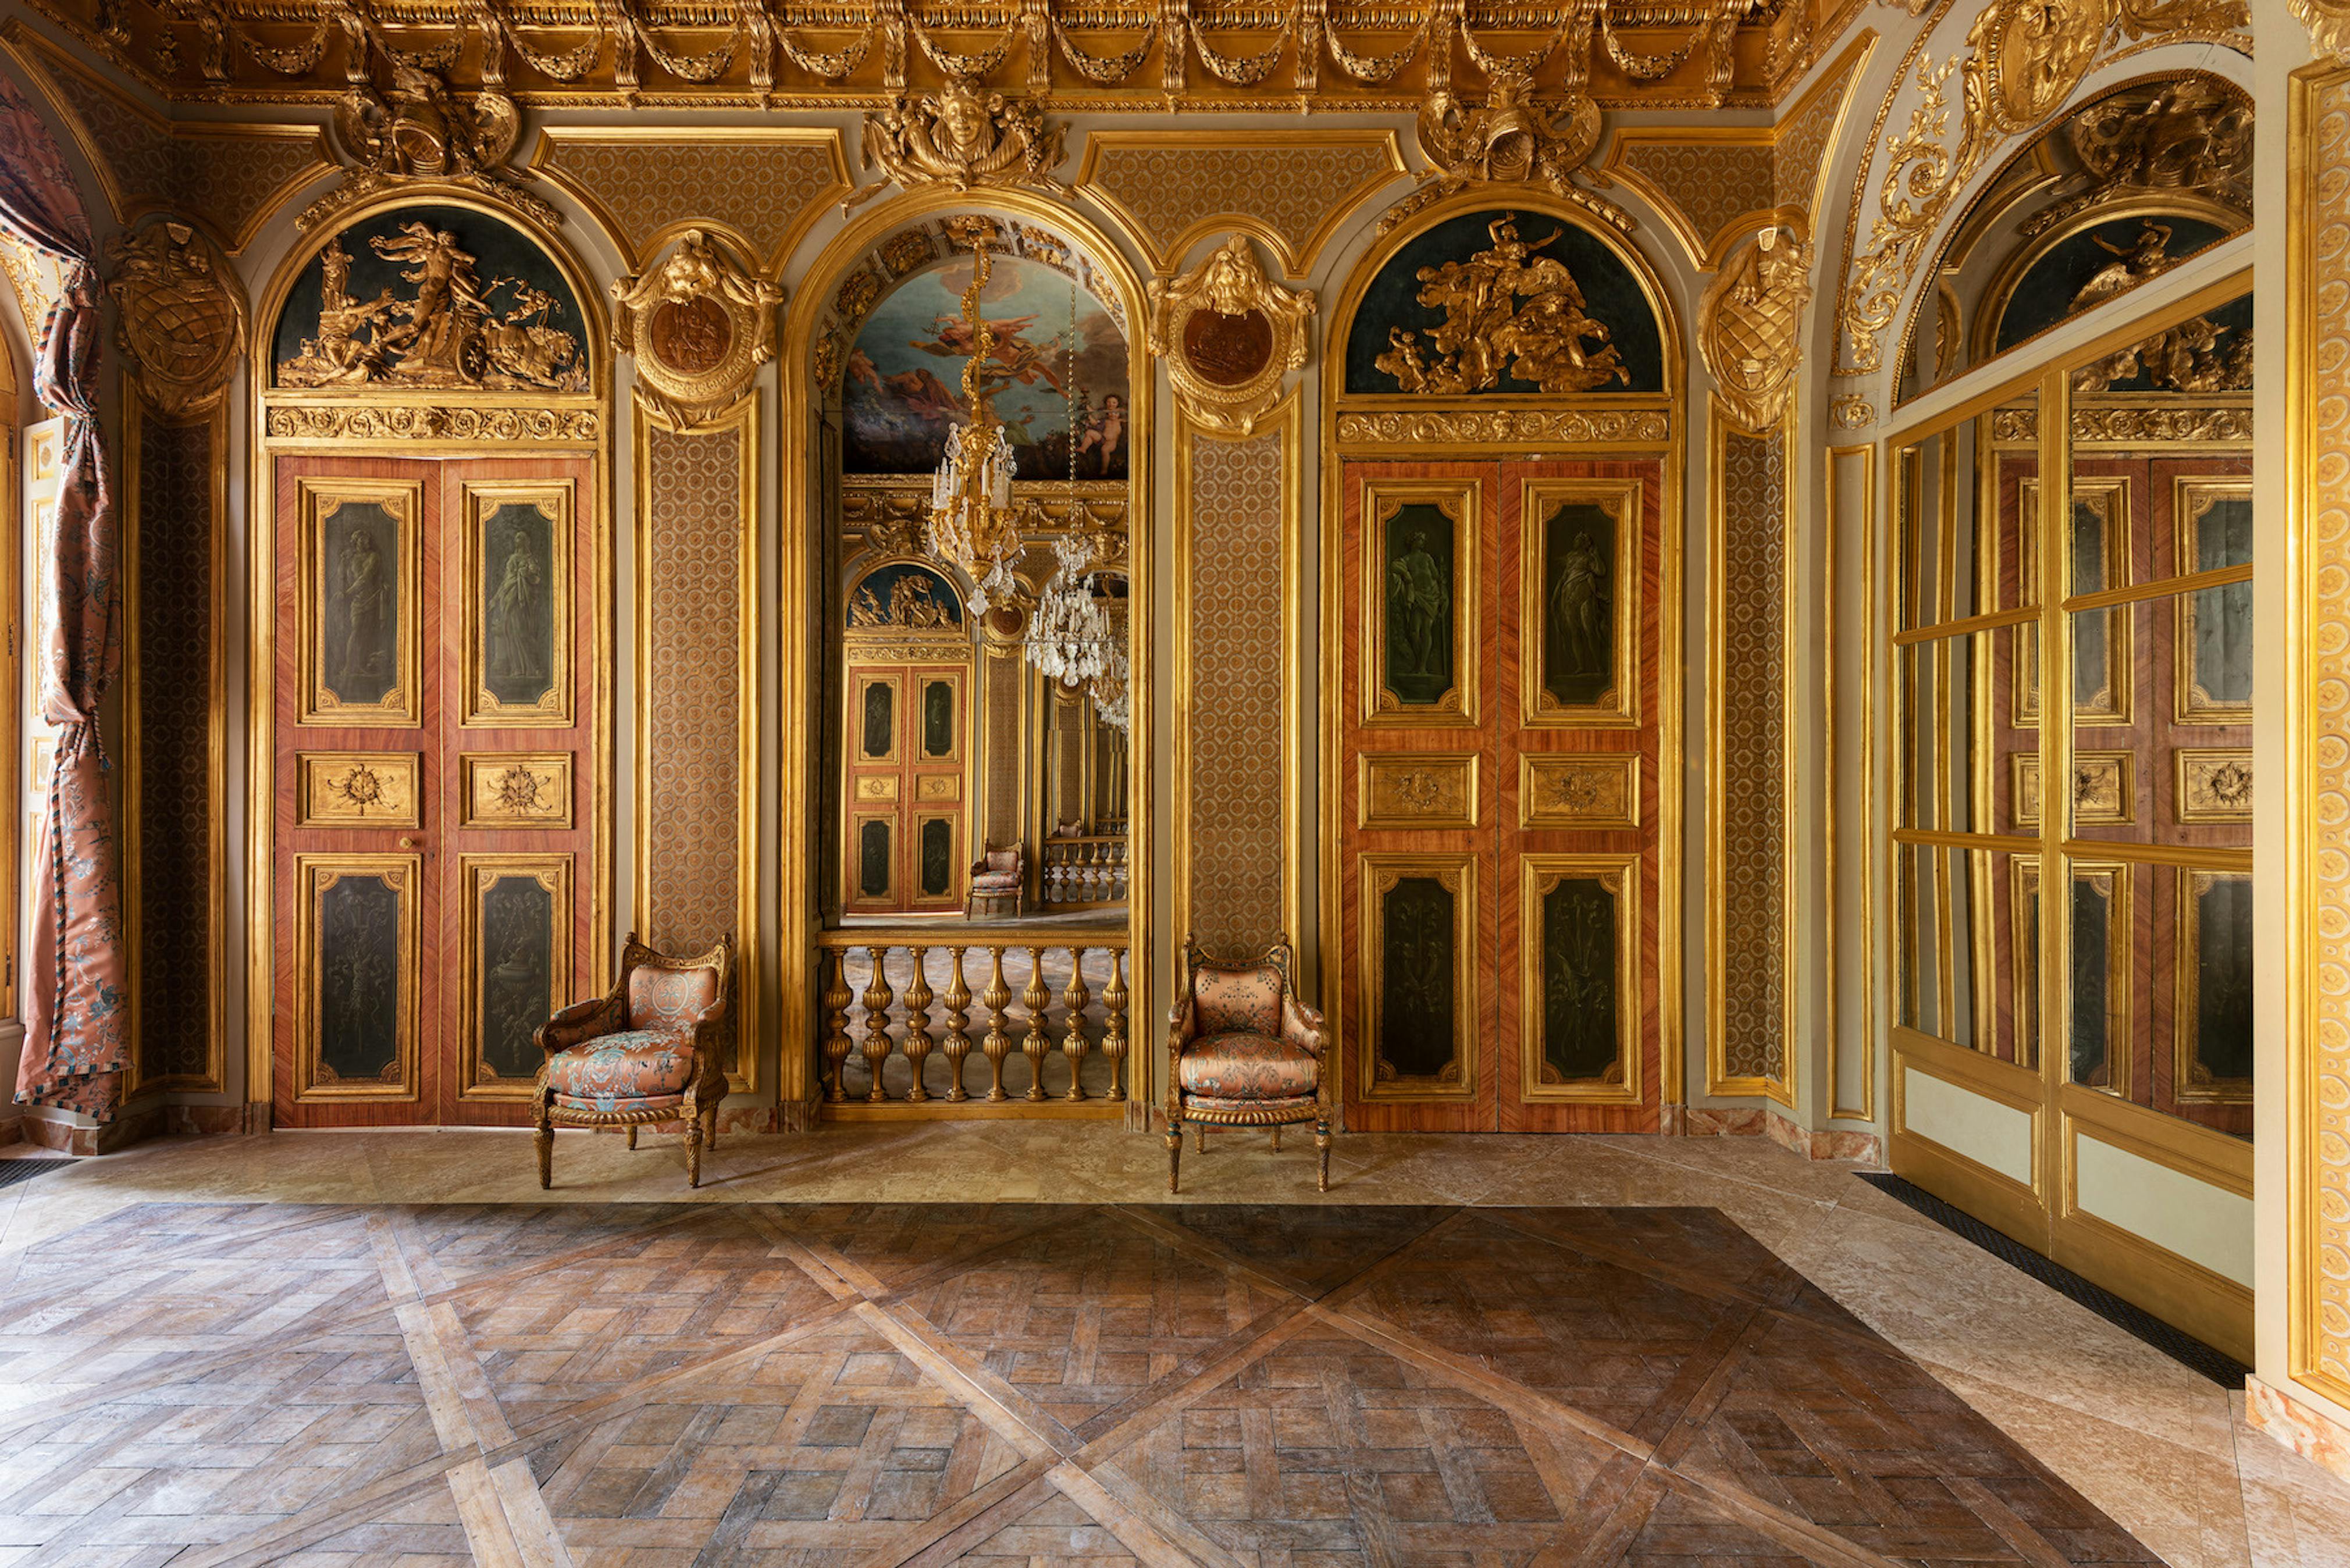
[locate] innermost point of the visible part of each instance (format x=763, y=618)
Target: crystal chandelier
x=973, y=523
x=1071, y=637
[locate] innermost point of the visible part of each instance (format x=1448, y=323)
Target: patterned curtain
x=76, y=1008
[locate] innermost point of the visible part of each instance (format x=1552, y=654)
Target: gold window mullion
x=2057, y=696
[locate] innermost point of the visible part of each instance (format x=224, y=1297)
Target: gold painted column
x=1748, y=334
x=1228, y=336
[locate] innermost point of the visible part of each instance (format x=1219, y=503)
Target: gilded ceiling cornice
x=1364, y=56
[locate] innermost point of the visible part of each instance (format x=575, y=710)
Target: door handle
x=409, y=841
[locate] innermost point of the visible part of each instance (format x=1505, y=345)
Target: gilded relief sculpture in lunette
x=449, y=337
x=1504, y=309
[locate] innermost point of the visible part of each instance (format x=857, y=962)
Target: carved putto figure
x=961, y=136
x=448, y=336
x=2132, y=265
x=1503, y=307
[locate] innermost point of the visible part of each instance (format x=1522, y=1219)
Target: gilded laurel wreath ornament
x=1228, y=335
x=700, y=324
x=180, y=317
x=965, y=135
x=1750, y=324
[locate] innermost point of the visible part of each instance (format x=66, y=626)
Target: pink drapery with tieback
x=77, y=995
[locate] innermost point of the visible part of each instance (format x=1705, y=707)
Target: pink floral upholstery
x=669, y=998
x=638, y=1069
x=1247, y=1067
x=1000, y=862
x=995, y=881
x=1237, y=1000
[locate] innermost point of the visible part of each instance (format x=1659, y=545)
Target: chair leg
x=545, y=1141
x=1322, y=1149
x=1199, y=1138
x=1174, y=1152
x=693, y=1150
x=632, y=1135
x=1276, y=1137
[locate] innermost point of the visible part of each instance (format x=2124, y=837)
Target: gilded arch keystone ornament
x=1751, y=321
x=1228, y=335
x=699, y=325
x=961, y=136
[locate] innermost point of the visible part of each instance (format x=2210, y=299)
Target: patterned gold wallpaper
x=1750, y=792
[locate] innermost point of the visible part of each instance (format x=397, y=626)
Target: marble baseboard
x=2306, y=1430
x=70, y=1134
x=1820, y=1143
x=206, y=1121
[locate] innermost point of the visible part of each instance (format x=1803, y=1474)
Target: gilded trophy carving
x=1504, y=308
x=180, y=317
x=961, y=136
x=2188, y=136
x=1228, y=335
x=1751, y=322
x=417, y=131
x=699, y=325
x=1512, y=138
x=449, y=337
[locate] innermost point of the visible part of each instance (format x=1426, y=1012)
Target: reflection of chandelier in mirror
x=973, y=523
x=1076, y=639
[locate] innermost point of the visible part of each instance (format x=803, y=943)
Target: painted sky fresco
x=901, y=389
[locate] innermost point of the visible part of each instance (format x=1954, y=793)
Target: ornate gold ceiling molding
x=1142, y=55
x=1292, y=189
x=2020, y=63
x=1715, y=185
x=1228, y=336
x=760, y=186
x=230, y=178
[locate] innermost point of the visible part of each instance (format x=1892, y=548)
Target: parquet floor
x=836, y=1384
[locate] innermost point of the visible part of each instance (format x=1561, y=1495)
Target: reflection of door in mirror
x=906, y=787
x=1082, y=801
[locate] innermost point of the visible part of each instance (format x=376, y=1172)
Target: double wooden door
x=435, y=752
x=907, y=732
x=1501, y=778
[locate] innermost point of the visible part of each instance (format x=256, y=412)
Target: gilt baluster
x=1037, y=997
x=998, y=1045
x=957, y=1043
x=1114, y=1031
x=1074, y=1044
x=836, y=1043
x=878, y=997
x=917, y=1045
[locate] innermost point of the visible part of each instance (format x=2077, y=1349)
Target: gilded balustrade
x=899, y=1015
x=1083, y=871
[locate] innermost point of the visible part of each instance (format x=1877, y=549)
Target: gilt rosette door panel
x=1499, y=768
x=435, y=745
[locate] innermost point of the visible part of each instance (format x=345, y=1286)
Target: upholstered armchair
x=997, y=879
x=1243, y=1050
x=648, y=1051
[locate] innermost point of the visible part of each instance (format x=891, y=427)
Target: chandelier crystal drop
x=973, y=523
x=1073, y=638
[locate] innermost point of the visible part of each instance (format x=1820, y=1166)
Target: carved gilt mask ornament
x=2022, y=59
x=418, y=132
x=1506, y=307
x=451, y=335
x=699, y=325
x=180, y=317
x=1751, y=326
x=962, y=136
x=1228, y=336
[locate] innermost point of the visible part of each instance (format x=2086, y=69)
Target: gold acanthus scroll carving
x=419, y=131
x=447, y=337
x=962, y=136
x=1751, y=321
x=1228, y=335
x=1504, y=308
x=2023, y=60
x=1486, y=426
x=1512, y=138
x=179, y=318
x=2328, y=22
x=699, y=325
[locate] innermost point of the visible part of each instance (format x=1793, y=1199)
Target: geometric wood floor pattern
x=812, y=1386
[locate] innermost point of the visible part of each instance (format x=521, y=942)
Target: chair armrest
x=1178, y=1026
x=578, y=1023
x=1302, y=1025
